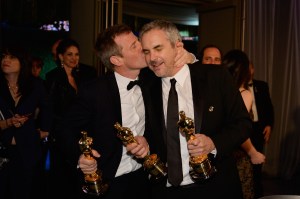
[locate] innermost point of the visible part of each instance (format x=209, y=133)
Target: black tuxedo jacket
x=96, y=109
x=263, y=103
x=219, y=112
x=265, y=113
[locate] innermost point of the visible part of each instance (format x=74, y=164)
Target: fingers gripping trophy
x=93, y=183
x=151, y=163
x=202, y=167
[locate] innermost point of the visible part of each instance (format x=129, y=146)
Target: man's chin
x=158, y=73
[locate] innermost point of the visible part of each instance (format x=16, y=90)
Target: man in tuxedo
x=107, y=100
x=208, y=95
x=263, y=121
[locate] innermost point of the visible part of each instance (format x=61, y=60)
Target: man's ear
x=115, y=60
x=179, y=44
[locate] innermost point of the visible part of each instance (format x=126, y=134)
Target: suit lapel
x=159, y=107
x=198, y=90
x=114, y=90
x=255, y=87
x=162, y=113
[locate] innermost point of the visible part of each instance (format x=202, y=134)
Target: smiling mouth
x=156, y=62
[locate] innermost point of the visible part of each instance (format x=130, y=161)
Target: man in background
x=210, y=54
x=263, y=121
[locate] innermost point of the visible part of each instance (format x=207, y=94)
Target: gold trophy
x=202, y=167
x=93, y=183
x=151, y=163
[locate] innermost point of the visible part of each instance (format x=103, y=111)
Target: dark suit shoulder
x=260, y=82
x=204, y=71
x=198, y=66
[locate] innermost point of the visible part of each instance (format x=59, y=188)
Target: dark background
x=20, y=22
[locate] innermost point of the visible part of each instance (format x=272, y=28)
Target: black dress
x=63, y=178
x=245, y=170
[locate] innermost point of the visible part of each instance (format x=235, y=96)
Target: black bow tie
x=133, y=83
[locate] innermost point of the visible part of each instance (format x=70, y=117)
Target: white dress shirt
x=185, y=103
x=133, y=117
x=254, y=109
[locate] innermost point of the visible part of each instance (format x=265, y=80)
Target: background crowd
x=41, y=118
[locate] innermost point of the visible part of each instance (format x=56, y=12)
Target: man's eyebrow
x=157, y=46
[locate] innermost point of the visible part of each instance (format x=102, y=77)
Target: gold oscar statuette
x=151, y=163
x=202, y=167
x=93, y=183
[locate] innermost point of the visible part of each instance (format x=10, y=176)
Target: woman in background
x=20, y=95
x=237, y=63
x=62, y=83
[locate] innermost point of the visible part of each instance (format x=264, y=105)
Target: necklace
x=13, y=89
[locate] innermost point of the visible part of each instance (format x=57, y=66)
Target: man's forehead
x=212, y=49
x=125, y=37
x=125, y=40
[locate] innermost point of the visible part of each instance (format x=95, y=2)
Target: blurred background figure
x=37, y=64
x=62, y=83
x=237, y=63
x=263, y=121
x=54, y=47
x=20, y=95
x=210, y=54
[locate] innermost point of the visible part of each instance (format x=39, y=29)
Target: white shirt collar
x=123, y=81
x=180, y=76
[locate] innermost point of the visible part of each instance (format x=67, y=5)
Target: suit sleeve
x=269, y=117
